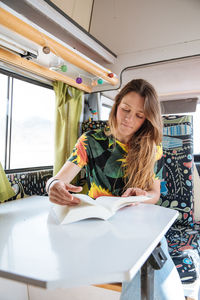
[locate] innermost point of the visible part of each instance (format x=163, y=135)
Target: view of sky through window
x=32, y=125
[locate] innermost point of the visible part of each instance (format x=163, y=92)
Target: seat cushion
x=184, y=248
x=29, y=183
x=177, y=186
x=91, y=124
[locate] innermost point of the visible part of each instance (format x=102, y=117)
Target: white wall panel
x=12, y=290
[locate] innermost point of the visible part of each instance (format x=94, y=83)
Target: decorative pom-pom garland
x=79, y=80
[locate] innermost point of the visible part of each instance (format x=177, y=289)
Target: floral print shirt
x=103, y=157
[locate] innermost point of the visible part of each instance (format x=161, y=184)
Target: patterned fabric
x=104, y=159
x=91, y=124
x=184, y=248
x=177, y=193
x=177, y=188
x=29, y=183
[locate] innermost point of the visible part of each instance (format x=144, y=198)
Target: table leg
x=154, y=262
x=147, y=282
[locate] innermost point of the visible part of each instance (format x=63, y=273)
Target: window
x=3, y=114
x=106, y=105
x=196, y=125
x=30, y=130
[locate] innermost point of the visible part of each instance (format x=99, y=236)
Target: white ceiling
x=125, y=26
x=132, y=28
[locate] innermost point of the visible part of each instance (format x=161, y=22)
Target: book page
x=103, y=207
x=115, y=203
x=85, y=199
x=88, y=208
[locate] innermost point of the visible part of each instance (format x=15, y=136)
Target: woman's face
x=130, y=116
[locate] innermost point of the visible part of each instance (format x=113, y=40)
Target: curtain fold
x=67, y=116
x=6, y=191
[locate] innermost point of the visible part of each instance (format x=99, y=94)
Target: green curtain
x=67, y=116
x=6, y=191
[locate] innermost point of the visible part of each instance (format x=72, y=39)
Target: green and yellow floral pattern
x=104, y=158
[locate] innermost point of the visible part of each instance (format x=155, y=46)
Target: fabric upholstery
x=91, y=124
x=177, y=188
x=29, y=183
x=184, y=248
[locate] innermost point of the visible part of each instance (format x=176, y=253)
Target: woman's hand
x=153, y=193
x=134, y=192
x=59, y=193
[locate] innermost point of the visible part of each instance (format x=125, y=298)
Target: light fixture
x=41, y=38
x=30, y=33
x=16, y=48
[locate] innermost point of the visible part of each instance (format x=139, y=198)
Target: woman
x=124, y=159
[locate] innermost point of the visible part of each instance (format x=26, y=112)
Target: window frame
x=106, y=102
x=196, y=158
x=8, y=134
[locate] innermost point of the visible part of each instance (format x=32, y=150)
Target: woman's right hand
x=59, y=193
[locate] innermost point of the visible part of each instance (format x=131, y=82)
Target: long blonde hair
x=140, y=160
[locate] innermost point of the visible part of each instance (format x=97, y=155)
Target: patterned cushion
x=184, y=248
x=91, y=124
x=177, y=188
x=29, y=183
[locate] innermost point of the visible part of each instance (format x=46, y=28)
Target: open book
x=102, y=208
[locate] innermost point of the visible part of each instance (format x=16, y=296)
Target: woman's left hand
x=153, y=193
x=134, y=192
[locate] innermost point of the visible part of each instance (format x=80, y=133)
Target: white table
x=37, y=251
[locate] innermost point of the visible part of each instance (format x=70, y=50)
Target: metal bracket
x=155, y=262
x=28, y=55
x=157, y=258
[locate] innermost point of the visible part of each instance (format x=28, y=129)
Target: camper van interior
x=62, y=63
